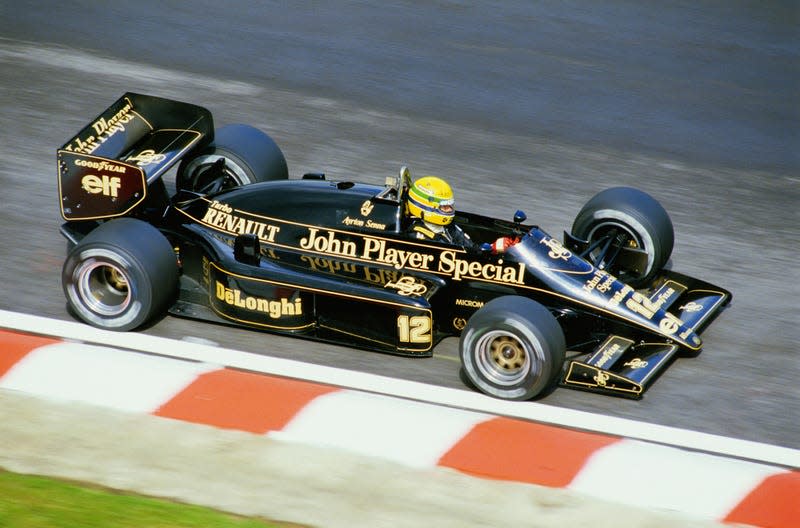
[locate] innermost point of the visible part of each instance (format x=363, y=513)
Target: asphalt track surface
x=519, y=106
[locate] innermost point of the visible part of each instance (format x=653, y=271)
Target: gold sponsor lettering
x=606, y=285
x=114, y=123
x=469, y=303
x=617, y=298
x=328, y=243
x=607, y=355
x=663, y=297
x=105, y=185
x=84, y=146
x=450, y=263
x=221, y=216
x=595, y=280
x=377, y=250
x=669, y=324
x=591, y=283
x=104, y=129
x=102, y=165
x=273, y=308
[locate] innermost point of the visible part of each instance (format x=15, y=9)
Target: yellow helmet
x=431, y=199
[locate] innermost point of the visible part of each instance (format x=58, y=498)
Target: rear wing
x=104, y=171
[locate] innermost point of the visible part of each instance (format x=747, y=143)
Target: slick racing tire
x=240, y=155
x=624, y=216
x=121, y=275
x=512, y=348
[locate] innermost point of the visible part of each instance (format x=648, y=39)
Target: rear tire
x=512, y=348
x=121, y=275
x=628, y=216
x=240, y=155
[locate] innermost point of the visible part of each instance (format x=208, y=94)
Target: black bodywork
x=331, y=260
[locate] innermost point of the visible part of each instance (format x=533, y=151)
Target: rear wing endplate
x=104, y=170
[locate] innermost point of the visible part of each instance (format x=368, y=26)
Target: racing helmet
x=431, y=199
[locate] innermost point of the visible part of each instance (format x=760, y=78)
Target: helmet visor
x=446, y=208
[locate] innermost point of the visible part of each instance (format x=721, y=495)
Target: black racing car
x=241, y=243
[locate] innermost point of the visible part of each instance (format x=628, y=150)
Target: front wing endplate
x=619, y=367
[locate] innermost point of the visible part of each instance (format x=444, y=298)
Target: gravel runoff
x=252, y=475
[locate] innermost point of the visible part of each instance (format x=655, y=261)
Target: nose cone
x=622, y=299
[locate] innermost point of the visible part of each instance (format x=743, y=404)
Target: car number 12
x=414, y=329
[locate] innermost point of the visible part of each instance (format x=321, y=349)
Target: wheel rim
x=503, y=358
x=608, y=238
x=202, y=177
x=103, y=287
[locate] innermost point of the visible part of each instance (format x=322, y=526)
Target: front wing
x=621, y=366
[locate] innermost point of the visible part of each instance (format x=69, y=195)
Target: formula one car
x=239, y=242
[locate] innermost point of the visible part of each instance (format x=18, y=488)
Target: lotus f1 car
x=239, y=242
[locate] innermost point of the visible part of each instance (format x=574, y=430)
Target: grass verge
x=38, y=502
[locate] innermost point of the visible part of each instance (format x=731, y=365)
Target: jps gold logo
x=557, y=251
x=407, y=285
x=692, y=307
x=366, y=208
x=146, y=157
x=636, y=363
x=601, y=378
x=459, y=323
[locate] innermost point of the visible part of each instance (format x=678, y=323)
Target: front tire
x=626, y=217
x=512, y=348
x=121, y=275
x=240, y=155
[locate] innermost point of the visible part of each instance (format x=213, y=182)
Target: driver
x=432, y=209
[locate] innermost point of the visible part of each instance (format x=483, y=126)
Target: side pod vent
x=247, y=249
